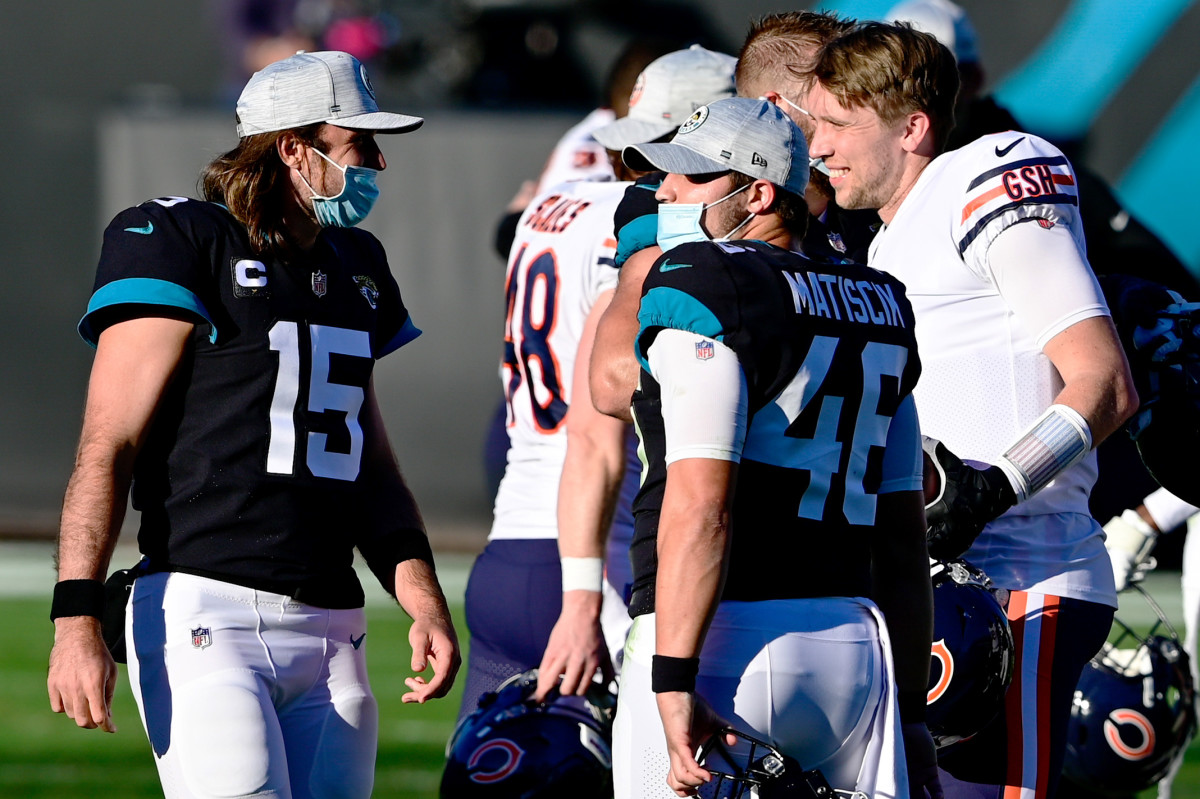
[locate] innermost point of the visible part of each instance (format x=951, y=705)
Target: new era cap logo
x=758, y=160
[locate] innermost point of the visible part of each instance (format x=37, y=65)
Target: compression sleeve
x=1044, y=278
x=704, y=396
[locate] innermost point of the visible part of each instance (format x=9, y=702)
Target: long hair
x=894, y=70
x=251, y=180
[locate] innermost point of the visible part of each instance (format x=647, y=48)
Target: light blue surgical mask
x=679, y=223
x=352, y=204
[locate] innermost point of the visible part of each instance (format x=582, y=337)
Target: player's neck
x=914, y=167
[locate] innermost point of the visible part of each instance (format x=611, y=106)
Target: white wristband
x=1058, y=440
x=582, y=574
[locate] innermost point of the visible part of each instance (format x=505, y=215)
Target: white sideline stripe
x=27, y=571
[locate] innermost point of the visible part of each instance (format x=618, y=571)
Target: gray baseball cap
x=328, y=86
x=666, y=93
x=749, y=136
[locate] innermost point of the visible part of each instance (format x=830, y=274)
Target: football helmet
x=1160, y=333
x=513, y=747
x=750, y=768
x=973, y=652
x=1134, y=709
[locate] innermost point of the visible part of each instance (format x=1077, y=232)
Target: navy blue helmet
x=973, y=653
x=513, y=747
x=1134, y=710
x=750, y=768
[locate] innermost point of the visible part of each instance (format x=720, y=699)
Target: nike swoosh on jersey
x=357, y=642
x=145, y=231
x=667, y=266
x=1003, y=151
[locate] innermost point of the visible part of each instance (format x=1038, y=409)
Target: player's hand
x=687, y=721
x=82, y=674
x=576, y=648
x=1129, y=540
x=434, y=643
x=920, y=756
x=961, y=500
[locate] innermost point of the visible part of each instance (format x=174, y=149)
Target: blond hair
x=895, y=70
x=781, y=48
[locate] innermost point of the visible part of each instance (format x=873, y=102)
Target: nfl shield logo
x=318, y=284
x=201, y=637
x=704, y=350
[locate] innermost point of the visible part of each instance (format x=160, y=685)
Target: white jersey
x=560, y=263
x=577, y=155
x=984, y=377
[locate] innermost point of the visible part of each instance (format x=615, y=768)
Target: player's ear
x=917, y=132
x=762, y=195
x=290, y=149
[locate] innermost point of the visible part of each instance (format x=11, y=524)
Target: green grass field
x=44, y=755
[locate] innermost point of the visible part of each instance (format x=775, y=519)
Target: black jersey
x=828, y=354
x=252, y=470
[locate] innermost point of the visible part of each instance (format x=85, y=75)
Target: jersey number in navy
x=323, y=395
x=527, y=353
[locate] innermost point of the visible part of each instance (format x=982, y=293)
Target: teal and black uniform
x=253, y=469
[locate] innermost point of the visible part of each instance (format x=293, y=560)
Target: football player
x=783, y=469
x=537, y=591
x=235, y=339
x=1023, y=369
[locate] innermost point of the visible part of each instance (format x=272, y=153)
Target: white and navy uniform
x=825, y=363
x=982, y=322
x=245, y=634
x=577, y=155
x=561, y=263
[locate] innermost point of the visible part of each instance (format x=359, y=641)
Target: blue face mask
x=352, y=204
x=679, y=223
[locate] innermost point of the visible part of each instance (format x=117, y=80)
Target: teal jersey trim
x=668, y=307
x=142, y=291
x=636, y=236
x=406, y=334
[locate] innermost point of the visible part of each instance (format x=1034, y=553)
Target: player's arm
x=401, y=556
x=613, y=369
x=1046, y=281
x=588, y=489
x=901, y=587
x=704, y=416
x=134, y=363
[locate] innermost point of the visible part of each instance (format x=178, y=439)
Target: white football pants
x=246, y=693
x=813, y=677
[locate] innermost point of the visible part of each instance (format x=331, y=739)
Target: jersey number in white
x=322, y=396
x=821, y=455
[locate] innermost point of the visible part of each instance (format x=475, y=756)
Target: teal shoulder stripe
x=636, y=236
x=142, y=291
x=406, y=334
x=668, y=307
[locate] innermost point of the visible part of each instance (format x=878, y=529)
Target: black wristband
x=673, y=674
x=913, y=706
x=77, y=598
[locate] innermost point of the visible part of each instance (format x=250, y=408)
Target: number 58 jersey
x=253, y=468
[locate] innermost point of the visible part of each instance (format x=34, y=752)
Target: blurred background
x=112, y=103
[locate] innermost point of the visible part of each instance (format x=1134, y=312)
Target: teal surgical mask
x=679, y=223
x=352, y=204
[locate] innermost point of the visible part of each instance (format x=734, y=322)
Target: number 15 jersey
x=253, y=470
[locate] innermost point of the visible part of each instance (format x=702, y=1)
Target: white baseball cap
x=666, y=93
x=749, y=136
x=945, y=21
x=328, y=86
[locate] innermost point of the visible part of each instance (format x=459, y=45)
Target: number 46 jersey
x=253, y=467
x=829, y=360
